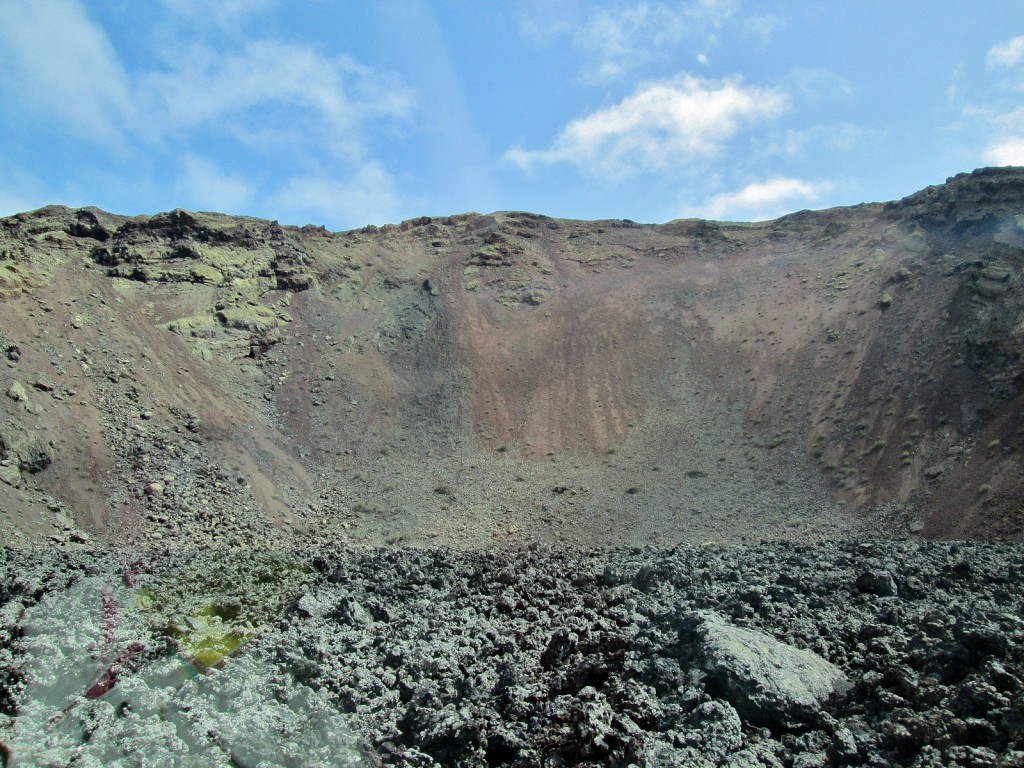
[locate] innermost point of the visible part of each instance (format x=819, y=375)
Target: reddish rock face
x=843, y=372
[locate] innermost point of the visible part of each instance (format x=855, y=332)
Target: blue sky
x=349, y=113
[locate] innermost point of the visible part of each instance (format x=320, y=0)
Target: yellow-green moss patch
x=204, y=273
x=258, y=319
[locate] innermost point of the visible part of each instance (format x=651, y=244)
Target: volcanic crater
x=492, y=489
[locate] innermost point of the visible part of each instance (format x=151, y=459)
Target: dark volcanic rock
x=540, y=658
x=501, y=384
x=770, y=683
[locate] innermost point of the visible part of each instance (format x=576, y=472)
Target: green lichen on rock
x=201, y=352
x=16, y=278
x=203, y=273
x=255, y=318
x=199, y=326
x=213, y=606
x=209, y=635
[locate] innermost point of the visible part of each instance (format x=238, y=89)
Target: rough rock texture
x=542, y=658
x=511, y=378
x=210, y=425
x=768, y=682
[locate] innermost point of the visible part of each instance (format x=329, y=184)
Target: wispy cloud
x=225, y=14
x=659, y=126
x=763, y=200
x=1006, y=152
x=204, y=185
x=13, y=202
x=368, y=195
x=19, y=190
x=270, y=86
x=818, y=85
x=840, y=137
x=1006, y=54
x=55, y=62
x=263, y=102
x=617, y=39
x=994, y=113
x=762, y=27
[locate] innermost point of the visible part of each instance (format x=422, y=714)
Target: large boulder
x=32, y=452
x=770, y=684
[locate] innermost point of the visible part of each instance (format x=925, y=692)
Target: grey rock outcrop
x=26, y=447
x=770, y=683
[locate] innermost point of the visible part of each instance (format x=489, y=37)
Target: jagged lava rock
x=769, y=683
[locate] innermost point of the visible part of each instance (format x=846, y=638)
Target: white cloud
x=261, y=102
x=660, y=126
x=621, y=39
x=763, y=200
x=12, y=203
x=842, y=137
x=55, y=62
x=818, y=84
x=205, y=186
x=1006, y=152
x=225, y=14
x=1004, y=126
x=270, y=87
x=1009, y=121
x=763, y=27
x=366, y=196
x=1006, y=54
x=541, y=21
x=19, y=191
x=617, y=38
x=992, y=118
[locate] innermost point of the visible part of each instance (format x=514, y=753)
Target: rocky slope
x=218, y=437
x=508, y=378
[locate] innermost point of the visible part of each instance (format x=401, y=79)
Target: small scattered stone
x=880, y=583
x=997, y=273
x=10, y=474
x=17, y=392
